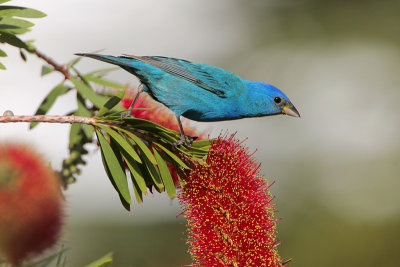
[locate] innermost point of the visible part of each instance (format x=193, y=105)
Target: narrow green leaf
x=145, y=124
x=2, y=53
x=146, y=151
x=74, y=136
x=102, y=71
x=136, y=173
x=22, y=54
x=173, y=156
x=88, y=130
x=73, y=62
x=7, y=26
x=154, y=173
x=2, y=67
x=87, y=92
x=107, y=169
x=202, y=143
x=46, y=69
x=12, y=40
x=18, y=23
x=4, y=1
x=104, y=82
x=104, y=261
x=9, y=11
x=15, y=31
x=112, y=102
x=49, y=100
x=116, y=171
x=84, y=112
x=138, y=192
x=165, y=174
x=122, y=142
x=82, y=109
x=22, y=12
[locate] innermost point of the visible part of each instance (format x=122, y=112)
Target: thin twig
x=60, y=68
x=50, y=119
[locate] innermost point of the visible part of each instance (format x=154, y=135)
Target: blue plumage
x=202, y=92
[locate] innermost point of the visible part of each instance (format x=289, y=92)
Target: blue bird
x=201, y=92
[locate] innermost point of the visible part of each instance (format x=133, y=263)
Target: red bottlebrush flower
x=159, y=114
x=31, y=204
x=228, y=209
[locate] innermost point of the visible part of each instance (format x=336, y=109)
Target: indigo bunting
x=201, y=92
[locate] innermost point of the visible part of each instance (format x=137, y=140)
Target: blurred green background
x=336, y=170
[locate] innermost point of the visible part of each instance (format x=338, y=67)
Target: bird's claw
x=126, y=114
x=186, y=140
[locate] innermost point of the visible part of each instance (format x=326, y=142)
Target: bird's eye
x=277, y=100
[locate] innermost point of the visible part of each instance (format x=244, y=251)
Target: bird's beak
x=291, y=111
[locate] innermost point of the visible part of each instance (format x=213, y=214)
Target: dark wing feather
x=172, y=66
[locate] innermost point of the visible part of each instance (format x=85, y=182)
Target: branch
x=66, y=119
x=49, y=119
x=60, y=68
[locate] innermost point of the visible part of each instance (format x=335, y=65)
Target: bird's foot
x=126, y=114
x=186, y=140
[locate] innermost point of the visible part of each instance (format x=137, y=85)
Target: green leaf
x=104, y=82
x=145, y=124
x=19, y=23
x=4, y=1
x=113, y=167
x=88, y=130
x=202, y=143
x=143, y=148
x=9, y=11
x=154, y=173
x=165, y=175
x=87, y=92
x=122, y=142
x=2, y=53
x=82, y=109
x=49, y=100
x=104, y=261
x=112, y=102
x=22, y=54
x=74, y=136
x=73, y=62
x=173, y=156
x=2, y=67
x=137, y=191
x=46, y=69
x=102, y=71
x=7, y=27
x=15, y=31
x=20, y=12
x=136, y=173
x=12, y=40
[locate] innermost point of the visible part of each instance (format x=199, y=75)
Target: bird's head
x=272, y=100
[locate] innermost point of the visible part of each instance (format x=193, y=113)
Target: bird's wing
x=194, y=74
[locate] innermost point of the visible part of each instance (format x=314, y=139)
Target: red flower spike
x=159, y=114
x=31, y=204
x=228, y=209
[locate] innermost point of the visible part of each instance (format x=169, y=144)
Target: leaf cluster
x=145, y=151
x=12, y=25
x=88, y=102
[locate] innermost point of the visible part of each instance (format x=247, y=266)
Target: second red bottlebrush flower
x=228, y=209
x=31, y=205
